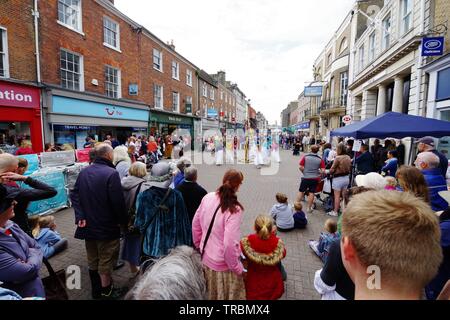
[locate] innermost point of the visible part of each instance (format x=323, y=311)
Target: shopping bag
x=55, y=283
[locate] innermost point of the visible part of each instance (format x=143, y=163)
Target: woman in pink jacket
x=221, y=213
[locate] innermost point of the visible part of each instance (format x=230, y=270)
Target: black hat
x=7, y=196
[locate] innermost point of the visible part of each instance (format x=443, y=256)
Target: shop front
x=20, y=116
x=165, y=123
x=209, y=124
x=70, y=119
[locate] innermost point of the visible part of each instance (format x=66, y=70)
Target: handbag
x=54, y=284
x=209, y=232
x=131, y=229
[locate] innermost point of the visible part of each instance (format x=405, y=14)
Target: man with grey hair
x=192, y=192
x=99, y=206
x=426, y=144
x=178, y=276
x=428, y=163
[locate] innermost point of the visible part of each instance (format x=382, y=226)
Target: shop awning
x=395, y=125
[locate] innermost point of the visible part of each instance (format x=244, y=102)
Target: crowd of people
x=181, y=242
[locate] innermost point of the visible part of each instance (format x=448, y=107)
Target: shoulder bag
x=209, y=231
x=131, y=229
x=55, y=283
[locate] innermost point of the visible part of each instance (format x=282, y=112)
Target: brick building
x=104, y=72
x=227, y=100
x=208, y=101
x=20, y=107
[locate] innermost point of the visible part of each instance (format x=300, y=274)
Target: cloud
x=267, y=47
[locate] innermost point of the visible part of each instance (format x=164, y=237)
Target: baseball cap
x=426, y=140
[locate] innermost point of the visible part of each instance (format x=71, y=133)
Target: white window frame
x=176, y=108
x=189, y=76
x=160, y=60
x=5, y=53
x=212, y=94
x=119, y=82
x=106, y=44
x=205, y=90
x=372, y=42
x=189, y=98
x=161, y=107
x=343, y=88
x=361, y=52
x=80, y=19
x=406, y=15
x=176, y=69
x=386, y=32
x=81, y=80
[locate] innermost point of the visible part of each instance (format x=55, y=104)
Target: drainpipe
x=35, y=13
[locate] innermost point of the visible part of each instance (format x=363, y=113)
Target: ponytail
x=264, y=226
x=227, y=192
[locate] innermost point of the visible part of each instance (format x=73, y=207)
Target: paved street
x=257, y=194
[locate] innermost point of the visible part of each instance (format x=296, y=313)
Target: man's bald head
x=8, y=163
x=104, y=151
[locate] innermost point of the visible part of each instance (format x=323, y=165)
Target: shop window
x=443, y=87
x=11, y=135
x=69, y=14
x=4, y=68
x=112, y=82
x=71, y=71
x=111, y=33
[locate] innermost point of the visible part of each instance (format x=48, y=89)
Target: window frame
x=361, y=53
x=79, y=19
x=81, y=68
x=160, y=60
x=342, y=48
x=204, y=90
x=161, y=96
x=372, y=45
x=343, y=88
x=406, y=15
x=105, y=43
x=119, y=82
x=4, y=40
x=185, y=105
x=189, y=77
x=177, y=65
x=386, y=32
x=176, y=94
x=212, y=94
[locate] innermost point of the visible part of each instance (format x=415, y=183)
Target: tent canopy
x=395, y=125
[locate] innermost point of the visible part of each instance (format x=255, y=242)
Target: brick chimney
x=221, y=76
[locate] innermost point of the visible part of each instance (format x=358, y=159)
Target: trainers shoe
x=114, y=294
x=332, y=213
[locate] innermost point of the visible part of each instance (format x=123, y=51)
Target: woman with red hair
x=216, y=231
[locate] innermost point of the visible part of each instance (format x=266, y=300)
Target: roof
x=206, y=77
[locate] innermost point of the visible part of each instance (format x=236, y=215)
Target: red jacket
x=264, y=280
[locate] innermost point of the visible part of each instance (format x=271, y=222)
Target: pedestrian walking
x=340, y=171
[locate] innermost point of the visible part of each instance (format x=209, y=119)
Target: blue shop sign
x=212, y=113
x=313, y=91
x=73, y=127
x=303, y=125
x=85, y=108
x=432, y=46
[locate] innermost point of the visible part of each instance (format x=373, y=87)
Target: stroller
x=324, y=194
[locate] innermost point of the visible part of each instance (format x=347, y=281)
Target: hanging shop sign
x=313, y=91
x=433, y=46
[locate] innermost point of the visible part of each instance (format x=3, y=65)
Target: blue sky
x=268, y=47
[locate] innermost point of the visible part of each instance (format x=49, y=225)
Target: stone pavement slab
x=257, y=194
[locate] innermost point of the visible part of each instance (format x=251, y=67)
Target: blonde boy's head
x=298, y=206
x=395, y=231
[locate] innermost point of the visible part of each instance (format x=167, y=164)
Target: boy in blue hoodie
x=44, y=231
x=282, y=213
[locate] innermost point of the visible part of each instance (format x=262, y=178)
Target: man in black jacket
x=192, y=192
x=99, y=206
x=38, y=190
x=364, y=162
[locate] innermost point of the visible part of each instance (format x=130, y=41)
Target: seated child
x=300, y=219
x=282, y=213
x=321, y=247
x=50, y=241
x=263, y=252
x=391, y=183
